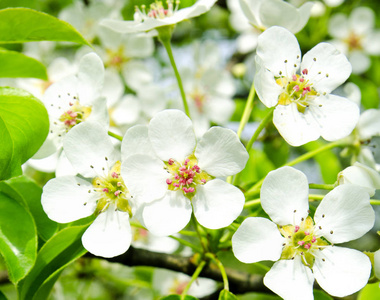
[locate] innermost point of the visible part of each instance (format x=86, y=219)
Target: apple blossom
x=173, y=174
x=304, y=248
x=355, y=36
x=266, y=13
x=361, y=175
x=304, y=107
x=158, y=16
x=73, y=100
x=99, y=188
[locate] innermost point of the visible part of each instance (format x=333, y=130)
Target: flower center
x=75, y=115
x=157, y=10
x=185, y=176
x=112, y=189
x=116, y=58
x=296, y=89
x=354, y=42
x=199, y=99
x=301, y=240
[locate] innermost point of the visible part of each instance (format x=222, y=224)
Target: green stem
x=166, y=42
x=251, y=203
x=256, y=188
x=221, y=268
x=116, y=136
x=193, y=278
x=374, y=201
x=316, y=197
x=262, y=125
x=195, y=224
x=321, y=186
x=247, y=110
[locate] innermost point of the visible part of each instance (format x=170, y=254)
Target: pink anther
x=171, y=161
x=114, y=175
x=301, y=243
x=294, y=77
x=296, y=88
x=117, y=193
x=186, y=161
x=307, y=232
x=296, y=228
x=307, y=246
x=169, y=181
x=305, y=71
x=314, y=239
x=105, y=190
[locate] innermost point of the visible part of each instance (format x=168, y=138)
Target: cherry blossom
x=300, y=91
x=305, y=248
x=173, y=174
x=98, y=189
x=157, y=15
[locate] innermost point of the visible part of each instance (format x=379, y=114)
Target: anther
x=117, y=193
x=115, y=175
x=169, y=181
x=296, y=228
x=91, y=166
x=171, y=161
x=331, y=232
x=105, y=190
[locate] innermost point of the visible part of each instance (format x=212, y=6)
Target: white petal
x=338, y=26
x=64, y=166
x=327, y=67
x=295, y=127
x=66, y=199
x=136, y=74
x=167, y=215
x=336, y=116
x=376, y=263
x=360, y=62
x=126, y=111
x=48, y=148
x=47, y=164
x=361, y=175
x=217, y=204
x=247, y=42
x=372, y=43
x=279, y=51
x=281, y=13
x=257, y=239
x=113, y=87
x=285, y=196
x=343, y=272
x=89, y=149
x=369, y=124
x=171, y=134
x=110, y=234
x=220, y=152
x=266, y=87
x=145, y=177
x=362, y=20
x=291, y=280
x=344, y=214
x=91, y=77
x=136, y=141
x=99, y=112
x=220, y=109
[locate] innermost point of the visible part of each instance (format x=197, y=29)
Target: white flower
x=305, y=248
x=361, y=175
x=355, y=36
x=73, y=100
x=377, y=263
x=169, y=282
x=247, y=40
x=143, y=239
x=305, y=109
x=157, y=16
x=98, y=189
x=266, y=13
x=174, y=174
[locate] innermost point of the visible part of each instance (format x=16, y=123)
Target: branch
x=239, y=282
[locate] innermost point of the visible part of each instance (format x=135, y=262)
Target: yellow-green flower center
x=112, y=190
x=296, y=90
x=301, y=240
x=75, y=115
x=185, y=176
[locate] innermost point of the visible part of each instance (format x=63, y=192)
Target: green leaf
x=2, y=296
x=58, y=252
x=28, y=193
x=178, y=297
x=24, y=125
x=19, y=25
x=370, y=96
x=18, y=238
x=258, y=296
x=226, y=295
x=328, y=162
x=370, y=292
x=14, y=64
x=321, y=295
